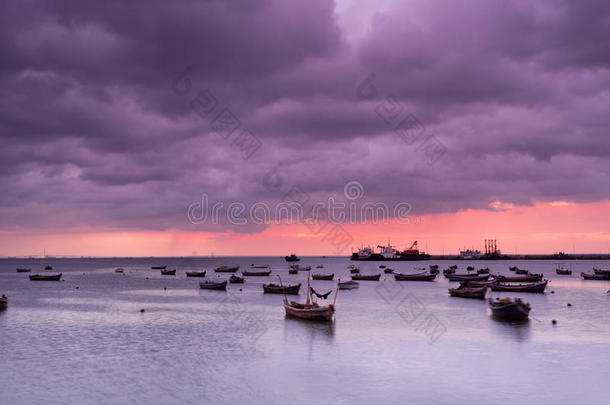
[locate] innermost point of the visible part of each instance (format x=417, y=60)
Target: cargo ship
x=388, y=252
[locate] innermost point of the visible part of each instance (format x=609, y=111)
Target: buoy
x=554, y=322
x=142, y=310
x=552, y=291
x=240, y=289
x=77, y=287
x=569, y=304
x=165, y=288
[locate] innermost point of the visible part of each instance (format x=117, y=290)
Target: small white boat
x=119, y=270
x=260, y=266
x=348, y=285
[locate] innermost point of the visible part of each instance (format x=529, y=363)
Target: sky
x=487, y=119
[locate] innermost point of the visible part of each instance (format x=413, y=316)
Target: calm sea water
x=85, y=341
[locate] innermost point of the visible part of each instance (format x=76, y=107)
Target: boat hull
x=512, y=311
x=348, y=285
x=195, y=273
x=323, y=276
x=469, y=292
x=361, y=277
x=226, y=269
x=529, y=288
x=256, y=273
x=168, y=272
x=463, y=277
x=414, y=277
x=210, y=285
x=38, y=277
x=318, y=314
x=281, y=289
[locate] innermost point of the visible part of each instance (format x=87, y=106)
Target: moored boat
x=299, y=268
x=195, y=273
x=537, y=287
x=483, y=271
x=213, y=285
x=469, y=268
x=236, y=279
x=526, y=278
x=601, y=272
x=563, y=272
x=158, y=267
x=509, y=309
x=292, y=270
x=119, y=270
x=588, y=276
x=3, y=302
x=348, y=285
x=226, y=269
x=39, y=277
x=320, y=266
x=414, y=277
x=47, y=267
x=310, y=310
x=448, y=271
x=272, y=288
x=468, y=292
x=513, y=268
x=292, y=258
x=355, y=270
x=388, y=270
x=366, y=277
x=22, y=270
x=323, y=276
x=468, y=277
x=168, y=272
x=259, y=266
x=474, y=283
x=521, y=271
x=256, y=273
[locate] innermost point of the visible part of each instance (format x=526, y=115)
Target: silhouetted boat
x=527, y=278
x=236, y=279
x=355, y=270
x=292, y=258
x=468, y=277
x=537, y=287
x=601, y=272
x=281, y=289
x=366, y=277
x=587, y=276
x=226, y=269
x=158, y=267
x=414, y=277
x=39, y=277
x=23, y=270
x=195, y=273
x=293, y=270
x=310, y=310
x=256, y=273
x=513, y=268
x=168, y=272
x=388, y=270
x=469, y=268
x=299, y=268
x=320, y=266
x=323, y=276
x=47, y=267
x=521, y=271
x=3, y=302
x=483, y=271
x=509, y=309
x=259, y=266
x=448, y=271
x=561, y=271
x=348, y=285
x=468, y=292
x=119, y=270
x=213, y=285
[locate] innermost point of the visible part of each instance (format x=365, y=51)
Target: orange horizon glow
x=542, y=228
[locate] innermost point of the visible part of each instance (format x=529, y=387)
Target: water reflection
x=519, y=331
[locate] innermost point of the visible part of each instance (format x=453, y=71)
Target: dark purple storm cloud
x=94, y=133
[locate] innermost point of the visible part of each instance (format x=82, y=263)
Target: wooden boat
x=483, y=271
x=292, y=258
x=587, y=276
x=521, y=271
x=469, y=268
x=454, y=267
x=281, y=289
x=168, y=272
x=158, y=267
x=433, y=267
x=259, y=266
x=537, y=287
x=434, y=271
x=513, y=268
x=355, y=270
x=195, y=273
x=119, y=270
x=601, y=272
x=448, y=271
x=388, y=270
x=527, y=278
x=23, y=270
x=468, y=277
x=213, y=285
x=563, y=272
x=509, y=309
x=299, y=268
x=414, y=277
x=38, y=277
x=320, y=266
x=47, y=267
x=469, y=292
x=323, y=276
x=310, y=310
x=3, y=302
x=367, y=277
x=348, y=285
x=226, y=269
x=474, y=283
x=382, y=266
x=236, y=279
x=256, y=273
x=293, y=271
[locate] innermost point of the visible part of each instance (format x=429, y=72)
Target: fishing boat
x=323, y=276
x=21, y=270
x=351, y=266
x=292, y=258
x=119, y=270
x=47, y=267
x=454, y=267
x=483, y=271
x=3, y=302
x=527, y=278
x=168, y=272
x=213, y=285
x=39, y=277
x=195, y=273
x=348, y=285
x=158, y=267
x=414, y=277
x=259, y=266
x=469, y=268
x=382, y=266
x=588, y=276
x=474, y=283
x=513, y=268
x=509, y=309
x=355, y=271
x=563, y=272
x=367, y=277
x=236, y=279
x=433, y=267
x=292, y=270
x=226, y=269
x=521, y=271
x=299, y=268
x=281, y=289
x=320, y=266
x=310, y=310
x=256, y=273
x=600, y=271
x=468, y=277
x=388, y=270
x=537, y=287
x=468, y=292
x=448, y=271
